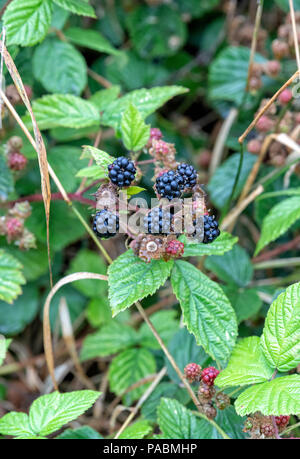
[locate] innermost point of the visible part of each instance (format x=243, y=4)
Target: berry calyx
x=211, y=229
x=158, y=221
x=188, y=174
x=254, y=146
x=192, y=372
x=17, y=161
x=282, y=420
x=122, y=172
x=105, y=224
x=175, y=248
x=285, y=97
x=209, y=375
x=169, y=185
x=13, y=228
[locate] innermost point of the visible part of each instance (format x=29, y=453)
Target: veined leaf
x=222, y=244
x=280, y=218
x=91, y=39
x=145, y=100
x=10, y=277
x=16, y=424
x=101, y=99
x=128, y=368
x=131, y=279
x=101, y=158
x=280, y=396
x=207, y=311
x=246, y=302
x=80, y=7
x=135, y=133
x=50, y=412
x=280, y=340
x=81, y=433
x=71, y=77
x=247, y=365
x=111, y=338
x=136, y=431
x=27, y=21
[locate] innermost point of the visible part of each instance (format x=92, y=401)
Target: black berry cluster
x=121, y=172
x=169, y=185
x=188, y=174
x=211, y=229
x=158, y=221
x=106, y=224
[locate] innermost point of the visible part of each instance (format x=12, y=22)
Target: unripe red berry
x=282, y=420
x=209, y=375
x=175, y=248
x=192, y=372
x=254, y=146
x=17, y=161
x=273, y=68
x=209, y=410
x=264, y=124
x=155, y=134
x=13, y=228
x=267, y=430
x=285, y=97
x=280, y=49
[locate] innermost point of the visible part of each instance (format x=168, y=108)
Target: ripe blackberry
x=282, y=421
x=17, y=161
x=192, y=372
x=211, y=229
x=169, y=185
x=121, y=172
x=188, y=174
x=106, y=224
x=158, y=221
x=209, y=375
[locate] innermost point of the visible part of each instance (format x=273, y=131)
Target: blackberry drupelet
x=188, y=174
x=158, y=221
x=169, y=185
x=106, y=224
x=211, y=229
x=121, y=172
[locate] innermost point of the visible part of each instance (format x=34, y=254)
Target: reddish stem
x=278, y=250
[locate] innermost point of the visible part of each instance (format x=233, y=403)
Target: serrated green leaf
x=101, y=99
x=247, y=365
x=80, y=7
x=280, y=218
x=207, y=311
x=92, y=172
x=178, y=423
x=228, y=74
x=145, y=100
x=219, y=246
x=50, y=412
x=64, y=110
x=10, y=277
x=165, y=324
x=101, y=158
x=91, y=39
x=234, y=267
x=136, y=431
x=245, y=302
x=130, y=279
x=81, y=433
x=128, y=368
x=27, y=21
x=6, y=179
x=16, y=424
x=133, y=190
x=184, y=349
x=278, y=397
x=71, y=77
x=110, y=339
x=280, y=340
x=135, y=133
x=14, y=317
x=221, y=183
